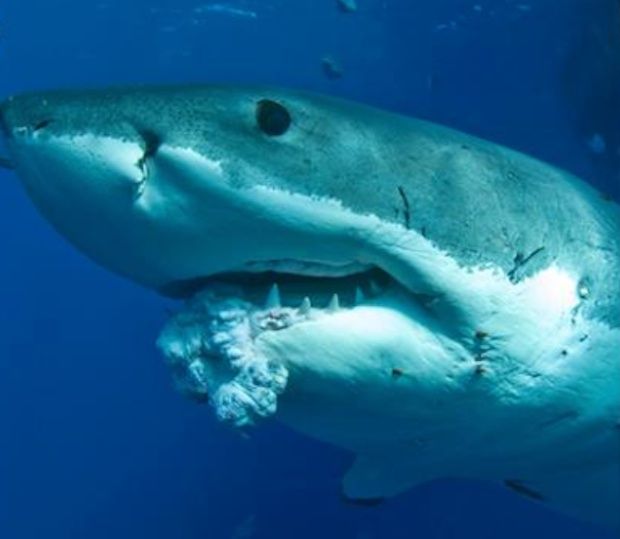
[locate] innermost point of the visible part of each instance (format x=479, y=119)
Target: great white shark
x=435, y=303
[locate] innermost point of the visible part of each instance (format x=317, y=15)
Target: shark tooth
x=334, y=303
x=305, y=306
x=273, y=298
x=359, y=295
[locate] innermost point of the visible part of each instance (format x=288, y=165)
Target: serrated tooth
x=359, y=295
x=334, y=304
x=305, y=306
x=273, y=298
x=375, y=289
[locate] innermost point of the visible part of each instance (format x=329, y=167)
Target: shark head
x=418, y=296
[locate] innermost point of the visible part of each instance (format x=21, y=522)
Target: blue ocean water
x=94, y=442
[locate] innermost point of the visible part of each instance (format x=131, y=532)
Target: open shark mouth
x=210, y=343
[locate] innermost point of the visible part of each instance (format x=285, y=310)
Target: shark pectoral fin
x=374, y=477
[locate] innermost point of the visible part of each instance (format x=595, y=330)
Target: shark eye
x=272, y=118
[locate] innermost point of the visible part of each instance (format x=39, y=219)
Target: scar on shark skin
x=480, y=346
x=152, y=142
x=406, y=207
x=397, y=372
x=520, y=262
x=479, y=369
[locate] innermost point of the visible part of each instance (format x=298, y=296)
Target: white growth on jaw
x=210, y=347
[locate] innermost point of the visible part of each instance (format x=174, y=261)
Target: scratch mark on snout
x=406, y=206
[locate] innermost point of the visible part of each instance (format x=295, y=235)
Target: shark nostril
x=42, y=125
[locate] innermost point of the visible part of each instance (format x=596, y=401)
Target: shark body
x=437, y=304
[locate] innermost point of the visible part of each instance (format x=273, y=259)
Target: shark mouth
x=210, y=343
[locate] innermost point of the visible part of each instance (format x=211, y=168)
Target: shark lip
x=293, y=289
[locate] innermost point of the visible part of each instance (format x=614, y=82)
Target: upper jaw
x=296, y=276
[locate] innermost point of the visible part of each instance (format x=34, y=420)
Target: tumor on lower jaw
x=210, y=344
x=210, y=347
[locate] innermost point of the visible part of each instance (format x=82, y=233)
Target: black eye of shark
x=272, y=118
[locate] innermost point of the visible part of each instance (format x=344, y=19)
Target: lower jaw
x=311, y=365
x=211, y=345
x=364, y=378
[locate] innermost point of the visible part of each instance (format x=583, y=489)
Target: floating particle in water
x=347, y=6
x=331, y=68
x=431, y=82
x=451, y=25
x=226, y=9
x=246, y=528
x=597, y=144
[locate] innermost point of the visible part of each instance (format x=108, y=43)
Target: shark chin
x=434, y=303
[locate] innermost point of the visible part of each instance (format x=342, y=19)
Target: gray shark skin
x=435, y=303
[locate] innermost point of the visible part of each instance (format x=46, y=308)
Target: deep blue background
x=94, y=443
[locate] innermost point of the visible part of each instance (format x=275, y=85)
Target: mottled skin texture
x=466, y=195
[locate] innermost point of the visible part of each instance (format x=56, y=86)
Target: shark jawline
x=340, y=281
